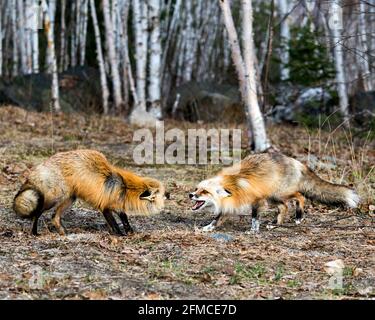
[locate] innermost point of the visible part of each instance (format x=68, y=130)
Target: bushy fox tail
x=28, y=201
x=315, y=188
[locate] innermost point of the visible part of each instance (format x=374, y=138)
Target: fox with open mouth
x=263, y=178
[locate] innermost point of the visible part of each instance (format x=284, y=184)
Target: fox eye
x=196, y=189
x=145, y=194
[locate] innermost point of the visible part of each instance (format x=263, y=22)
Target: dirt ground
x=168, y=256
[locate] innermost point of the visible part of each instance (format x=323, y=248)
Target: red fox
x=86, y=174
x=263, y=178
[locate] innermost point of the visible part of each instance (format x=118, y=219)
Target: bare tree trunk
x=13, y=9
x=35, y=37
x=52, y=57
x=365, y=68
x=246, y=70
x=285, y=38
x=339, y=65
x=99, y=53
x=62, y=37
x=73, y=37
x=21, y=38
x=140, y=16
x=154, y=89
x=255, y=116
x=51, y=12
x=113, y=60
x=83, y=32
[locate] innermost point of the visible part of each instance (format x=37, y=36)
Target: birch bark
x=154, y=88
x=285, y=38
x=339, y=64
x=52, y=57
x=113, y=60
x=364, y=57
x=99, y=54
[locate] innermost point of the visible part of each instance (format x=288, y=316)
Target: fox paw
x=299, y=221
x=255, y=224
x=208, y=228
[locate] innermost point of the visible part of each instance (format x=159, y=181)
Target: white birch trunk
x=255, y=116
x=52, y=57
x=99, y=53
x=63, y=37
x=154, y=89
x=113, y=60
x=73, y=38
x=364, y=63
x=28, y=34
x=51, y=12
x=140, y=16
x=339, y=66
x=122, y=18
x=190, y=43
x=21, y=37
x=34, y=18
x=83, y=33
x=246, y=70
x=285, y=38
x=13, y=9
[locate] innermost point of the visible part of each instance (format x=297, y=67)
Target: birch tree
x=154, y=88
x=336, y=27
x=113, y=60
x=140, y=26
x=13, y=9
x=364, y=63
x=284, y=38
x=246, y=71
x=99, y=54
x=34, y=20
x=52, y=57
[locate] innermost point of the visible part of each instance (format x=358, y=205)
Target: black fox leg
x=125, y=223
x=218, y=221
x=34, y=229
x=37, y=213
x=112, y=222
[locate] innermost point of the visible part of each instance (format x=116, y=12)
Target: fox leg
x=34, y=229
x=56, y=220
x=112, y=222
x=125, y=223
x=255, y=224
x=218, y=221
x=299, y=210
x=283, y=210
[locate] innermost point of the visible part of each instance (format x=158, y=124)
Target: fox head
x=210, y=193
x=142, y=195
x=153, y=195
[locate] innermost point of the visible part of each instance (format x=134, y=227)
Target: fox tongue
x=197, y=205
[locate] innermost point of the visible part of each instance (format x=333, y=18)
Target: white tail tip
x=352, y=199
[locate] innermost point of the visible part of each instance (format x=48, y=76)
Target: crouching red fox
x=87, y=175
x=263, y=178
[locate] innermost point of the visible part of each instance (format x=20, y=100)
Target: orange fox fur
x=267, y=177
x=86, y=174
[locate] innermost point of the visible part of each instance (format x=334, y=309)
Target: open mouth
x=198, y=204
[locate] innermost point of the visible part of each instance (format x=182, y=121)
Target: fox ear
x=223, y=192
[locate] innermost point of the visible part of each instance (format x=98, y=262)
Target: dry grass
x=168, y=257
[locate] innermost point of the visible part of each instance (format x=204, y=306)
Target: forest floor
x=168, y=256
